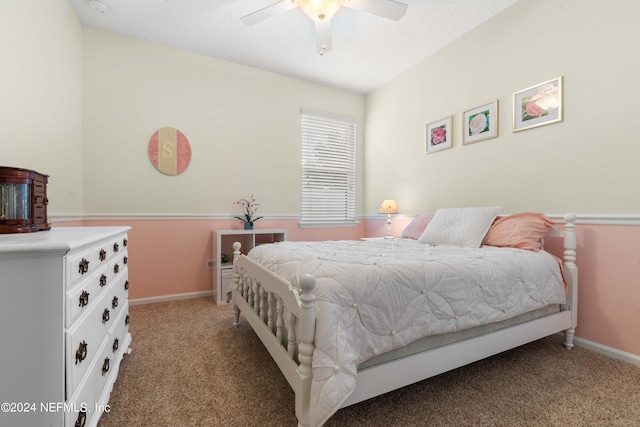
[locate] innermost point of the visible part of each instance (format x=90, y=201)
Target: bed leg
x=236, y=315
x=568, y=338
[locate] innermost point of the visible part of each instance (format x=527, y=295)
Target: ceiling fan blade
x=268, y=12
x=385, y=8
x=323, y=36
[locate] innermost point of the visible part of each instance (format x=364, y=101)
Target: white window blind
x=328, y=169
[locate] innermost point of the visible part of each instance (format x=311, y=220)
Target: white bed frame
x=257, y=290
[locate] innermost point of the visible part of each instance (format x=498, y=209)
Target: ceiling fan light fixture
x=319, y=10
x=98, y=6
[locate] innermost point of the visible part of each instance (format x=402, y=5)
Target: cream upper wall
x=584, y=164
x=132, y=87
x=243, y=126
x=41, y=95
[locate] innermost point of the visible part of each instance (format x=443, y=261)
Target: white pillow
x=460, y=226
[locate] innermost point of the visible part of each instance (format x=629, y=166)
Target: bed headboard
x=569, y=268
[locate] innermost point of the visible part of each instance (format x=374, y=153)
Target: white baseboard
x=614, y=353
x=174, y=297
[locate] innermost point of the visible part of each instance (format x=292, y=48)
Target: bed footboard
x=282, y=317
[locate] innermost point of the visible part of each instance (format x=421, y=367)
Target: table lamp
x=389, y=207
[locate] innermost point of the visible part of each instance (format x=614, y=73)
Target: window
x=328, y=170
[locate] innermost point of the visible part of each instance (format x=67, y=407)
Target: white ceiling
x=367, y=50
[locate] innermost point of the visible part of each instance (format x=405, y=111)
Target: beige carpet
x=190, y=367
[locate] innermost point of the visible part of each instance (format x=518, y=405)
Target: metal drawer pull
x=114, y=303
x=125, y=242
x=125, y=260
x=105, y=315
x=84, y=299
x=116, y=344
x=83, y=266
x=126, y=285
x=82, y=419
x=116, y=268
x=103, y=255
x=103, y=280
x=81, y=352
x=116, y=247
x=105, y=366
x=126, y=320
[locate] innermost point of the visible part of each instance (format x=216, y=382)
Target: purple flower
x=250, y=208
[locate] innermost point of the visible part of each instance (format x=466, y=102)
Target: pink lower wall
x=168, y=257
x=609, y=295
x=609, y=285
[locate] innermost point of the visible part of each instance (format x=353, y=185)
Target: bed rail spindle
x=256, y=297
x=263, y=305
x=279, y=320
x=250, y=291
x=291, y=335
x=270, y=323
x=247, y=287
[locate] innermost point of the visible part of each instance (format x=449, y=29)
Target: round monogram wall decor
x=169, y=151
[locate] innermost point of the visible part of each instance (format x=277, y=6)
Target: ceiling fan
x=321, y=12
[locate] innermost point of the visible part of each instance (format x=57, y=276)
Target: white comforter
x=377, y=295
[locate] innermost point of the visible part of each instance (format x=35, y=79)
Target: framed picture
x=538, y=105
x=440, y=135
x=480, y=123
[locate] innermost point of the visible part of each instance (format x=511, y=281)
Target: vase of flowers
x=250, y=207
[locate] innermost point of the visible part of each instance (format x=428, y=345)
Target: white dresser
x=63, y=324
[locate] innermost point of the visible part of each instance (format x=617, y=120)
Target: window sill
x=328, y=224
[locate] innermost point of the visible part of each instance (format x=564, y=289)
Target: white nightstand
x=222, y=243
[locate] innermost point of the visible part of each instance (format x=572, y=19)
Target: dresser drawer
x=118, y=294
x=101, y=253
x=118, y=244
x=87, y=394
x=79, y=265
x=80, y=299
x=93, y=391
x=118, y=334
x=85, y=293
x=84, y=339
x=101, y=279
x=88, y=261
x=118, y=264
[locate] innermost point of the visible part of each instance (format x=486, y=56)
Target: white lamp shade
x=389, y=207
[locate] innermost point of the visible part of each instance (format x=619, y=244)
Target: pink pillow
x=522, y=231
x=416, y=227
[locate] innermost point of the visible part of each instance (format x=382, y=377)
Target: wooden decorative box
x=23, y=201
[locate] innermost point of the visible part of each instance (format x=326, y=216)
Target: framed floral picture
x=538, y=105
x=440, y=135
x=480, y=123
